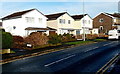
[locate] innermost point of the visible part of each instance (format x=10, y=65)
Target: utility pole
x=83, y=22
x=119, y=7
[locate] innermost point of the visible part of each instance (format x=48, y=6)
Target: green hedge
x=54, y=39
x=6, y=40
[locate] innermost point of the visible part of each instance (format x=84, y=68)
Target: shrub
x=91, y=36
x=2, y=30
x=6, y=40
x=36, y=39
x=54, y=39
x=68, y=37
x=18, y=42
x=18, y=39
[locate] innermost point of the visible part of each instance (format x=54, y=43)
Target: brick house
x=105, y=22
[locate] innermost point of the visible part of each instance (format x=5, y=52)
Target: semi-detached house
x=83, y=23
x=106, y=21
x=24, y=22
x=62, y=22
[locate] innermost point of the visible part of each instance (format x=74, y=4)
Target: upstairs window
x=101, y=20
x=89, y=21
x=40, y=20
x=62, y=21
x=69, y=22
x=29, y=19
x=84, y=22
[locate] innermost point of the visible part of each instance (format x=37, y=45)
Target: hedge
x=7, y=40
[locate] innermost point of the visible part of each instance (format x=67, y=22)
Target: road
x=86, y=58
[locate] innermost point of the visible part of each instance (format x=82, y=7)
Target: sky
x=92, y=7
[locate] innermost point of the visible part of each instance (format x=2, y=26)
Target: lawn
x=100, y=40
x=78, y=42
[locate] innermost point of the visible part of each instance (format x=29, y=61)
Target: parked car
x=114, y=34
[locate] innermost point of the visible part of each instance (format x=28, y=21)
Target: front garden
x=37, y=42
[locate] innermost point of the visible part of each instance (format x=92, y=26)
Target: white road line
x=95, y=47
x=91, y=49
x=105, y=44
x=108, y=44
x=59, y=60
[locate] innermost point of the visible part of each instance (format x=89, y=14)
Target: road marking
x=105, y=44
x=95, y=47
x=91, y=49
x=108, y=44
x=59, y=60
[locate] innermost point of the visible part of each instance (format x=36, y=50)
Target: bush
x=18, y=39
x=2, y=30
x=7, y=40
x=91, y=36
x=68, y=37
x=36, y=39
x=54, y=39
x=18, y=42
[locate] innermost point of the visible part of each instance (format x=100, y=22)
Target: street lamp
x=83, y=23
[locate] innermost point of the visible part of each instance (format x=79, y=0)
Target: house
x=62, y=22
x=83, y=21
x=24, y=22
x=105, y=22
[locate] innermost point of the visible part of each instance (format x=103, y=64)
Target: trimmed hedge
x=7, y=40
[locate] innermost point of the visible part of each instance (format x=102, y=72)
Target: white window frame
x=30, y=19
x=69, y=21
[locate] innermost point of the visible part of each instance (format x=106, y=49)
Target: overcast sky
x=92, y=7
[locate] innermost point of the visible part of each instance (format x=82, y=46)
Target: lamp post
x=83, y=23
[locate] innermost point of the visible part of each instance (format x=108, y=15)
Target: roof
x=77, y=17
x=36, y=28
x=114, y=15
x=54, y=16
x=116, y=24
x=18, y=14
x=51, y=28
x=110, y=15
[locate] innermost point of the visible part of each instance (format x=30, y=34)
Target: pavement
x=80, y=59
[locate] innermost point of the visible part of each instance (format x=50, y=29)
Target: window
x=101, y=20
x=14, y=27
x=89, y=21
x=77, y=32
x=68, y=21
x=30, y=19
x=101, y=27
x=40, y=20
x=118, y=31
x=62, y=21
x=84, y=21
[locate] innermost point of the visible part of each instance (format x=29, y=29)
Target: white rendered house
x=62, y=22
x=24, y=22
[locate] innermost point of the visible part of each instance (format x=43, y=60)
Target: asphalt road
x=87, y=58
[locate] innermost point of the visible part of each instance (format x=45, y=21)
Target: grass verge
x=78, y=42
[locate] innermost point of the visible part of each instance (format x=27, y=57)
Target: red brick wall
x=107, y=23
